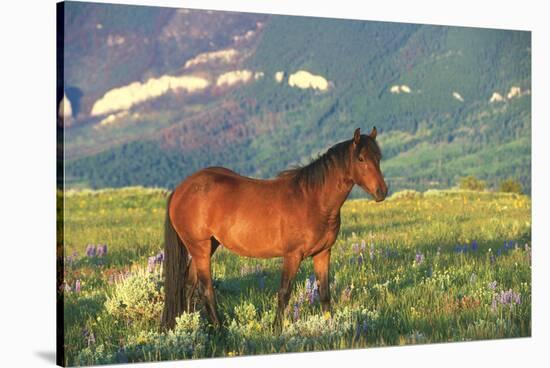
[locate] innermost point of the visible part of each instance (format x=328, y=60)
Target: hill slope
x=426, y=88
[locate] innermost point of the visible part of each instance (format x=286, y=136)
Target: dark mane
x=314, y=174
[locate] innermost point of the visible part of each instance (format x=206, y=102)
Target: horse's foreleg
x=321, y=263
x=291, y=263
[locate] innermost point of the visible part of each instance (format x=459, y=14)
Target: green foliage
x=382, y=294
x=187, y=340
x=471, y=183
x=510, y=186
x=428, y=138
x=137, y=297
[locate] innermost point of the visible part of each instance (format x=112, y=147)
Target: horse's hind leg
x=190, y=286
x=201, y=252
x=192, y=278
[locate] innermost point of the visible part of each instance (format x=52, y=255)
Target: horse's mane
x=314, y=174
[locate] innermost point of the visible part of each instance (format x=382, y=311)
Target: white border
x=27, y=149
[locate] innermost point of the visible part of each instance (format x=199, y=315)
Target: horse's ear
x=373, y=133
x=357, y=136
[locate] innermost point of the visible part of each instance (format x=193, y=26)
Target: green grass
x=408, y=285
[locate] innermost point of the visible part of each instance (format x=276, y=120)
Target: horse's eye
x=360, y=159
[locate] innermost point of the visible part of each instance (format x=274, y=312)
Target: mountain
x=154, y=94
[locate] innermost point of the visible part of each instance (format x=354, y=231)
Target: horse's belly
x=252, y=250
x=250, y=240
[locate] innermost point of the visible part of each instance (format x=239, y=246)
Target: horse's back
x=240, y=212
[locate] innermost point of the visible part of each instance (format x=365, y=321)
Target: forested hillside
x=447, y=101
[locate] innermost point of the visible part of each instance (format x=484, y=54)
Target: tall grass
x=417, y=268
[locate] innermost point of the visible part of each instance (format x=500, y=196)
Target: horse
x=294, y=215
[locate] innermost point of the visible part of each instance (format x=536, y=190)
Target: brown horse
x=293, y=216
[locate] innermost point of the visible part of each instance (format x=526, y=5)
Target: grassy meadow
x=438, y=266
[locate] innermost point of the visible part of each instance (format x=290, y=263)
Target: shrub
x=510, y=186
x=186, y=340
x=138, y=297
x=471, y=183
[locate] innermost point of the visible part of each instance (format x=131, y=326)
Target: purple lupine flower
x=419, y=258
x=311, y=297
x=77, y=286
x=261, y=282
x=296, y=312
x=90, y=250
x=151, y=264
x=499, y=252
x=360, y=259
x=315, y=292
x=508, y=297
x=365, y=327
x=101, y=250
x=475, y=246
x=492, y=285
x=311, y=290
x=308, y=286
x=511, y=244
x=160, y=257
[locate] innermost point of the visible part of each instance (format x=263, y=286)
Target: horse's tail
x=175, y=273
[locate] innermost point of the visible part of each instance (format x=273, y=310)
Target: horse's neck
x=334, y=192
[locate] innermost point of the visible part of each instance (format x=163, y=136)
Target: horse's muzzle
x=380, y=194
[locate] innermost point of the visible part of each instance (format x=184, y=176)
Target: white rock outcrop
x=124, y=97
x=304, y=80
x=65, y=109
x=234, y=77
x=279, y=76
x=514, y=92
x=458, y=96
x=396, y=89
x=224, y=56
x=496, y=97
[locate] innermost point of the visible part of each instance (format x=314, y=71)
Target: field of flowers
x=438, y=266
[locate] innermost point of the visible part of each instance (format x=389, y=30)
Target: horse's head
x=365, y=165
